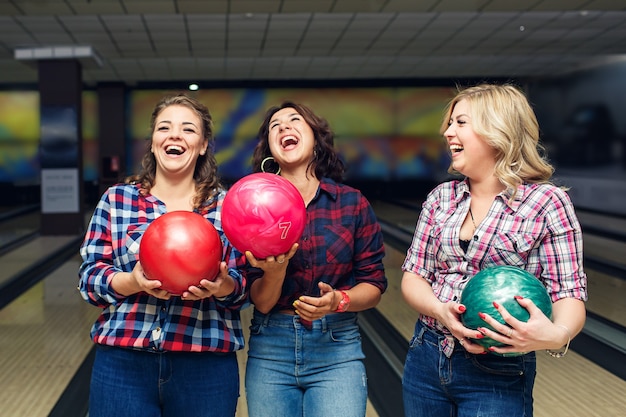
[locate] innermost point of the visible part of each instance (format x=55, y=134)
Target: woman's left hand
x=221, y=286
x=313, y=308
x=535, y=334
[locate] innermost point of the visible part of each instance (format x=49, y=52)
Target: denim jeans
x=295, y=372
x=464, y=385
x=126, y=382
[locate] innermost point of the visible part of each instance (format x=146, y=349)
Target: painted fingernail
x=492, y=349
x=482, y=315
x=479, y=336
x=518, y=297
x=462, y=309
x=496, y=305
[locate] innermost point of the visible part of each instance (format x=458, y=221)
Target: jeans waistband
x=162, y=352
x=426, y=333
x=329, y=321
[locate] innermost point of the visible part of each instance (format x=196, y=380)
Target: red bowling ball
x=263, y=213
x=180, y=248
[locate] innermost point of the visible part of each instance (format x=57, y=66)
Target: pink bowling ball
x=263, y=213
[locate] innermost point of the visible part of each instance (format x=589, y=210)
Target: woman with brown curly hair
x=305, y=356
x=159, y=354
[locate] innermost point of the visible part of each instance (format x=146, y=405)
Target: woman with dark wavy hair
x=305, y=355
x=159, y=354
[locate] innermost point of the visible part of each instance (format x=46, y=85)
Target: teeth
x=174, y=149
x=289, y=140
x=456, y=148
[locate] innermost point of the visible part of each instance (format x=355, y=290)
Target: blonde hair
x=503, y=117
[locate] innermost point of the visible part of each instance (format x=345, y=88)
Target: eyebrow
x=289, y=115
x=184, y=123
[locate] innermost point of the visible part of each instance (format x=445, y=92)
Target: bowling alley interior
x=79, y=80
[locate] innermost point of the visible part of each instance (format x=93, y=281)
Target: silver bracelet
x=563, y=352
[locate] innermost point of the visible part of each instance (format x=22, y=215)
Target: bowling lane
x=402, y=217
x=45, y=338
x=604, y=248
x=570, y=386
x=606, y=296
x=18, y=227
x=32, y=252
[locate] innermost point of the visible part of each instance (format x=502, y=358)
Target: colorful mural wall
x=382, y=133
x=20, y=132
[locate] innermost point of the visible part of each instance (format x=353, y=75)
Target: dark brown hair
x=325, y=162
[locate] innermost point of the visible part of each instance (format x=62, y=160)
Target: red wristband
x=344, y=303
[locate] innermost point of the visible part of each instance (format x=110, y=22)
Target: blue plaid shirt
x=141, y=321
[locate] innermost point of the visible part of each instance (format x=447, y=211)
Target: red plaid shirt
x=342, y=245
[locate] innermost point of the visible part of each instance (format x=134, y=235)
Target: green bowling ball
x=501, y=284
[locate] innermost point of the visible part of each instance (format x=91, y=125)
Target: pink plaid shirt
x=537, y=231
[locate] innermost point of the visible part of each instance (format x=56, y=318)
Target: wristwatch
x=344, y=303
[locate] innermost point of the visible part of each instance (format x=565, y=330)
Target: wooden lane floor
x=566, y=387
x=44, y=340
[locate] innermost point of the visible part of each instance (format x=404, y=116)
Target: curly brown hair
x=325, y=162
x=205, y=173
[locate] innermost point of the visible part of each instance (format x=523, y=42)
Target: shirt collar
x=329, y=187
x=463, y=191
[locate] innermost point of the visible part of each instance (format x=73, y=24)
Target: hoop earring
x=267, y=159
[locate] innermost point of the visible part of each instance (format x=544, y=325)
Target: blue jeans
x=295, y=372
x=464, y=385
x=126, y=382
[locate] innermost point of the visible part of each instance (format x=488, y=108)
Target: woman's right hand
x=129, y=283
x=450, y=317
x=273, y=264
x=265, y=292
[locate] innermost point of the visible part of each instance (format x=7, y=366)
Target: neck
x=307, y=185
x=167, y=189
x=490, y=187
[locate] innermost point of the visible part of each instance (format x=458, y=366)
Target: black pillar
x=111, y=134
x=61, y=151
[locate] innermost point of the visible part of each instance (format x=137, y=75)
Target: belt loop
x=324, y=324
x=266, y=319
x=422, y=329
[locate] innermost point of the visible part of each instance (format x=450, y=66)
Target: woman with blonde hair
x=505, y=211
